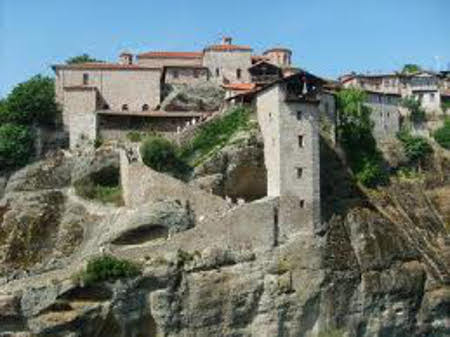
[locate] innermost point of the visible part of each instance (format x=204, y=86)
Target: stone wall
x=328, y=115
x=228, y=62
x=188, y=75
x=116, y=87
x=118, y=126
x=80, y=106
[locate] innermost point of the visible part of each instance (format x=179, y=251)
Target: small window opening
x=175, y=74
x=195, y=73
x=300, y=141
x=85, y=79
x=125, y=107
x=299, y=172
x=217, y=72
x=302, y=203
x=299, y=115
x=145, y=107
x=105, y=106
x=238, y=74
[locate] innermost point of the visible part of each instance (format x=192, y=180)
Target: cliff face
x=378, y=265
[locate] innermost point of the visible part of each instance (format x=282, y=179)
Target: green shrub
x=216, y=133
x=103, y=186
x=98, y=142
x=331, y=333
x=416, y=147
x=163, y=156
x=16, y=145
x=108, y=268
x=371, y=173
x=134, y=136
x=417, y=113
x=442, y=135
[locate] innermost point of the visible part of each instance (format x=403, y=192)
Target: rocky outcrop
x=193, y=97
x=237, y=170
x=378, y=265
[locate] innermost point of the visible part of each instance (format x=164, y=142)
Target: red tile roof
x=171, y=54
x=228, y=47
x=239, y=86
x=101, y=65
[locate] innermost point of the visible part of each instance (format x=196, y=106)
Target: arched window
x=238, y=74
x=125, y=107
x=105, y=106
x=145, y=107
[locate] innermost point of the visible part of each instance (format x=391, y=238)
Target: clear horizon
x=327, y=37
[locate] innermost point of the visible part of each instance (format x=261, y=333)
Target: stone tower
x=288, y=116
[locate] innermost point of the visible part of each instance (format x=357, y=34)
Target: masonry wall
x=116, y=87
x=228, y=62
x=80, y=106
x=118, y=127
x=166, y=61
x=284, y=156
x=328, y=115
x=186, y=75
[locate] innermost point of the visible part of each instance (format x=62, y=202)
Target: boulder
x=193, y=97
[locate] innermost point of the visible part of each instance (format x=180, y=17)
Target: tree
x=16, y=145
x=33, y=100
x=355, y=134
x=442, y=135
x=83, y=58
x=417, y=113
x=411, y=69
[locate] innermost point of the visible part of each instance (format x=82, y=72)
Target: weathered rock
x=198, y=97
x=237, y=170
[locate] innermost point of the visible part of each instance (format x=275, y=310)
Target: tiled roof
x=239, y=86
x=171, y=54
x=101, y=65
x=228, y=47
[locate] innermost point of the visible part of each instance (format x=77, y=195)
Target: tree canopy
x=16, y=144
x=414, y=106
x=83, y=58
x=411, y=68
x=33, y=100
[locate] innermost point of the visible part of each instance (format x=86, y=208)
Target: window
x=302, y=204
x=125, y=107
x=175, y=74
x=299, y=115
x=195, y=73
x=300, y=141
x=217, y=72
x=85, y=79
x=431, y=97
x=299, y=172
x=145, y=107
x=238, y=74
x=105, y=106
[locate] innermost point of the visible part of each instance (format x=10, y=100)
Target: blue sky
x=328, y=37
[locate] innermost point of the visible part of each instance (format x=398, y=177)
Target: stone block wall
x=228, y=62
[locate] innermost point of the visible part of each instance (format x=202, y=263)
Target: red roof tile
x=171, y=54
x=239, y=86
x=228, y=47
x=101, y=65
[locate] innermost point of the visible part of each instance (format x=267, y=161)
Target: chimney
x=227, y=40
x=126, y=58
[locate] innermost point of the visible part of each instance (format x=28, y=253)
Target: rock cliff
x=378, y=265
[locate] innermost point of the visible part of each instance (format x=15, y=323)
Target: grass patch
x=332, y=333
x=107, y=268
x=215, y=134
x=103, y=186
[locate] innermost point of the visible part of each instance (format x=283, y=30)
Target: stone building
x=127, y=95
x=423, y=85
x=288, y=115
